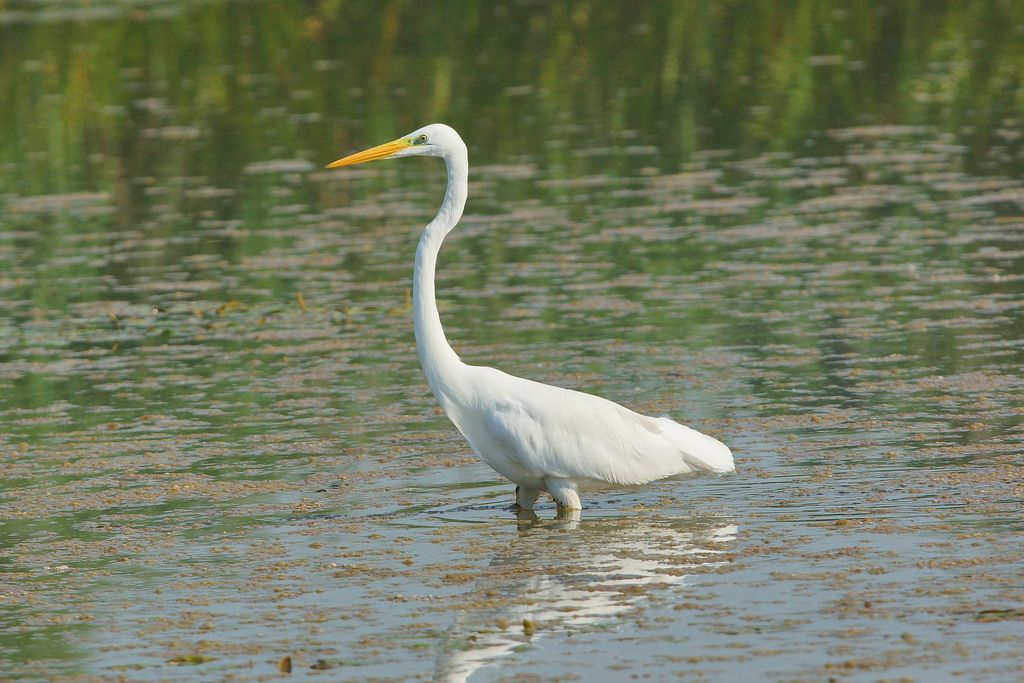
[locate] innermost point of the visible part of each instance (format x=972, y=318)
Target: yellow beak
x=372, y=154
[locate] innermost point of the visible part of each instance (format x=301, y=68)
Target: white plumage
x=541, y=437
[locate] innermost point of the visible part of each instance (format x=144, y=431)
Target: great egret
x=542, y=438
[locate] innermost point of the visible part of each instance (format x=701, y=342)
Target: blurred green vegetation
x=98, y=96
x=158, y=108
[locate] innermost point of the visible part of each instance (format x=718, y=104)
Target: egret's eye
x=421, y=139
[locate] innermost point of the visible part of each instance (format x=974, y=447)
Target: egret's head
x=435, y=140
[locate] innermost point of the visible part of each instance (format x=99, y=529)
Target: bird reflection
x=566, y=574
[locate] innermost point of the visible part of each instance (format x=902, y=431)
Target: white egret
x=542, y=438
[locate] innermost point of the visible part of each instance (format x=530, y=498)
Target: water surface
x=800, y=229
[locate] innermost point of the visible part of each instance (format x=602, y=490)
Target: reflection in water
x=564, y=575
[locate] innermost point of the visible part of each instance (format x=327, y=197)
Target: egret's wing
x=564, y=433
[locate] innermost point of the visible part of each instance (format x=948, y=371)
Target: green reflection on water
x=182, y=91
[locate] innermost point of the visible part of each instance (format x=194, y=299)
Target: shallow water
x=218, y=447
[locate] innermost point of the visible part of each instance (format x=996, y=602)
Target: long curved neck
x=440, y=363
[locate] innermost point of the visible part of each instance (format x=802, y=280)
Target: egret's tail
x=699, y=450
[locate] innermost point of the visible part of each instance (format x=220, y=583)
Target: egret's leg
x=525, y=498
x=567, y=518
x=564, y=493
x=525, y=518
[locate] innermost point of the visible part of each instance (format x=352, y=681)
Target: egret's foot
x=564, y=493
x=525, y=518
x=525, y=498
x=568, y=515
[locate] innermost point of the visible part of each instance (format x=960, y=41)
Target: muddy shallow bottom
x=748, y=575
